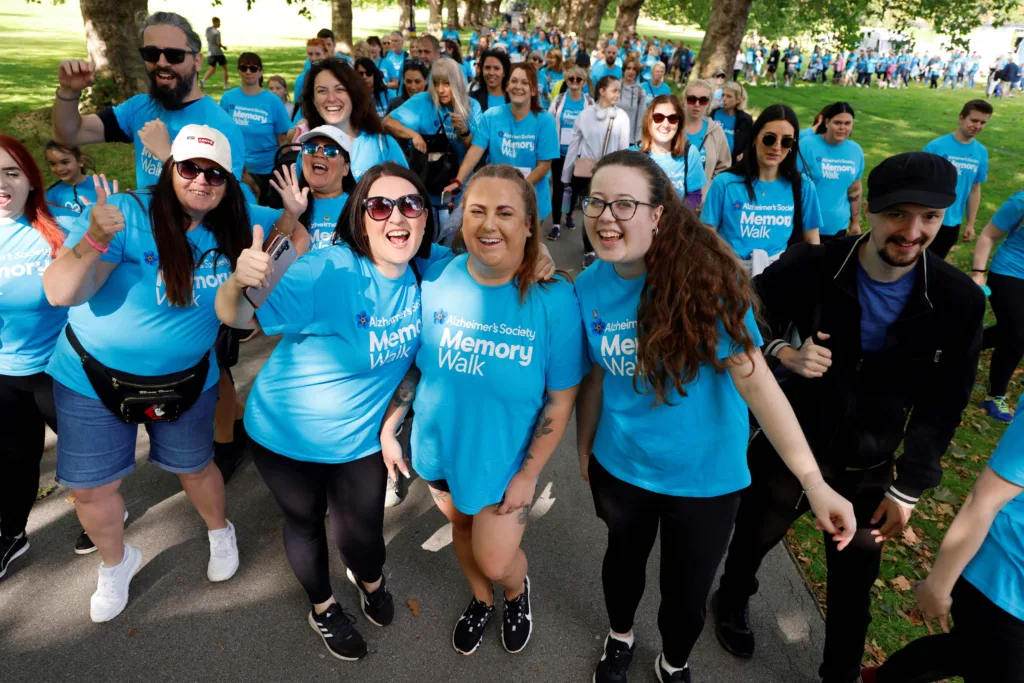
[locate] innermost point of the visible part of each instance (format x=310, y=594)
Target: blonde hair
x=362, y=49
x=575, y=70
x=737, y=90
x=558, y=53
x=448, y=70
x=701, y=83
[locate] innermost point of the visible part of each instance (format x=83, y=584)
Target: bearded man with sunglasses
x=172, y=52
x=893, y=335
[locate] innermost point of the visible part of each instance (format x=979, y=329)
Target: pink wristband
x=96, y=245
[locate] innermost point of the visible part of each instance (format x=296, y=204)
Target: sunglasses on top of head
x=173, y=55
x=673, y=119
x=702, y=101
x=251, y=68
x=190, y=170
x=769, y=140
x=380, y=208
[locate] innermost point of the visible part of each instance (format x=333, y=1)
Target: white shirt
x=588, y=136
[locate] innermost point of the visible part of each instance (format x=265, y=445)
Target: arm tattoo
x=524, y=514
x=405, y=393
x=74, y=250
x=543, y=427
x=526, y=461
x=439, y=496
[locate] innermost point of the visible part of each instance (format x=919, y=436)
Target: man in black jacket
x=893, y=335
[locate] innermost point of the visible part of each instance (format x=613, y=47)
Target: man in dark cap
x=892, y=337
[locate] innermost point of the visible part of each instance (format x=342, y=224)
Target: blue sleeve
x=53, y=195
x=696, y=178
x=125, y=115
x=411, y=114
x=291, y=306
x=438, y=252
x=225, y=100
x=860, y=162
x=297, y=90
x=1008, y=459
x=1010, y=214
x=809, y=204
x=933, y=147
x=567, y=363
x=548, y=148
x=482, y=136
x=476, y=113
x=727, y=346
x=712, y=211
x=282, y=122
x=982, y=169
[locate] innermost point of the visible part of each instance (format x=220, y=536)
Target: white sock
x=627, y=641
x=671, y=669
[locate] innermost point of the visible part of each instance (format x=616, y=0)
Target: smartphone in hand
x=282, y=254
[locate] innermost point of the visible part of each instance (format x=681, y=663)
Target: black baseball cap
x=912, y=178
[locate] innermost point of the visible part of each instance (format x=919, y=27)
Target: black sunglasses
x=574, y=79
x=693, y=99
x=189, y=170
x=380, y=208
x=251, y=68
x=173, y=55
x=769, y=140
x=673, y=119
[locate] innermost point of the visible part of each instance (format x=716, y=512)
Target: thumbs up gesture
x=106, y=220
x=254, y=266
x=811, y=360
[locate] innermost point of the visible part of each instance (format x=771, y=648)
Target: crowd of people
x=736, y=351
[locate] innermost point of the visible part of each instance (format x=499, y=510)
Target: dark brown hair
x=363, y=118
x=531, y=76
x=228, y=221
x=679, y=141
x=976, y=105
x=694, y=282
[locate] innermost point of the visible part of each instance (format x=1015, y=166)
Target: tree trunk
x=625, y=19
x=492, y=9
x=726, y=26
x=453, y=13
x=112, y=38
x=589, y=22
x=434, y=24
x=403, y=19
x=341, y=24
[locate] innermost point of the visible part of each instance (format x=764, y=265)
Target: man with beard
x=893, y=335
x=611, y=66
x=172, y=52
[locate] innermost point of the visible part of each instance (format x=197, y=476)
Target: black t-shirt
x=773, y=59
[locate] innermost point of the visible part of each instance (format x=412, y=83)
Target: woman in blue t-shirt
x=74, y=189
x=30, y=238
x=1006, y=282
x=735, y=122
x=662, y=418
x=835, y=164
x=500, y=359
x=566, y=108
x=978, y=577
x=324, y=185
x=665, y=141
x=147, y=263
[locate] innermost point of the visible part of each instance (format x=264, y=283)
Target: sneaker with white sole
x=223, y=554
x=11, y=548
x=517, y=621
x=469, y=629
x=378, y=606
x=334, y=626
x=664, y=676
x=111, y=594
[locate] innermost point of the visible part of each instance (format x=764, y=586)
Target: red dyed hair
x=37, y=213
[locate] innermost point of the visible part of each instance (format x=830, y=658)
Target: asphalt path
x=179, y=627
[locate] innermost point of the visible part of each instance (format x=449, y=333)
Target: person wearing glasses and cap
x=172, y=52
x=147, y=261
x=892, y=338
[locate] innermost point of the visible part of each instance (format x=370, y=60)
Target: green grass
x=35, y=38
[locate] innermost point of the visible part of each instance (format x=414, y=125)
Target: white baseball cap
x=332, y=132
x=202, y=142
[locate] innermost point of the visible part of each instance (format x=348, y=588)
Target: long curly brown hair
x=694, y=282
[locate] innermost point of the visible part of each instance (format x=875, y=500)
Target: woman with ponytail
x=29, y=240
x=662, y=417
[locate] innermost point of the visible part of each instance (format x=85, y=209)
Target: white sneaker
x=223, y=554
x=111, y=594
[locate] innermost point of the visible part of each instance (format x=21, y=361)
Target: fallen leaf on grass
x=944, y=495
x=804, y=559
x=44, y=491
x=901, y=583
x=945, y=509
x=414, y=606
x=131, y=634
x=879, y=583
x=910, y=536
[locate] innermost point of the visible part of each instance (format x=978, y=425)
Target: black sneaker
x=469, y=630
x=227, y=457
x=589, y=258
x=569, y=222
x=614, y=662
x=554, y=233
x=11, y=548
x=732, y=625
x=84, y=544
x=681, y=676
x=517, y=624
x=335, y=627
x=378, y=606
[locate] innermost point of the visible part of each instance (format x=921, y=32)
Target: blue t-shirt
x=971, y=161
x=29, y=325
x=163, y=339
x=523, y=144
x=134, y=113
x=695, y=447
x=697, y=140
x=368, y=150
x=602, y=69
x=1009, y=258
x=68, y=196
x=571, y=110
x=728, y=126
x=322, y=394
x=323, y=219
x=548, y=82
x=647, y=62
x=419, y=114
x=880, y=305
x=806, y=133
x=766, y=222
x=261, y=118
x=495, y=101
x=684, y=180
x=997, y=570
x=833, y=168
x=450, y=34
x=393, y=67
x=653, y=91
x=299, y=83
x=487, y=360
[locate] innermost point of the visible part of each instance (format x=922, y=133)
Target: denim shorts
x=95, y=447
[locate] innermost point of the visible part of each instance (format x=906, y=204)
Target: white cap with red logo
x=202, y=142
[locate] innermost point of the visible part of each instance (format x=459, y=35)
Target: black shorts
x=226, y=346
x=217, y=60
x=439, y=485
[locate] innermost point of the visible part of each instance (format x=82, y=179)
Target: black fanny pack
x=136, y=399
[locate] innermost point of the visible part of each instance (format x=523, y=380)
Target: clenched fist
x=76, y=74
x=157, y=139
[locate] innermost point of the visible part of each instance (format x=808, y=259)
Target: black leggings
x=944, y=240
x=986, y=644
x=580, y=189
x=1007, y=335
x=26, y=407
x=354, y=492
x=557, y=190
x=694, y=534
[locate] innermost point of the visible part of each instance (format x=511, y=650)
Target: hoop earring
x=654, y=232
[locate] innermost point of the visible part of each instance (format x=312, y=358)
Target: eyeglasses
x=174, y=55
x=330, y=151
x=673, y=119
x=574, y=79
x=769, y=140
x=251, y=68
x=693, y=99
x=189, y=170
x=380, y=208
x=622, y=209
